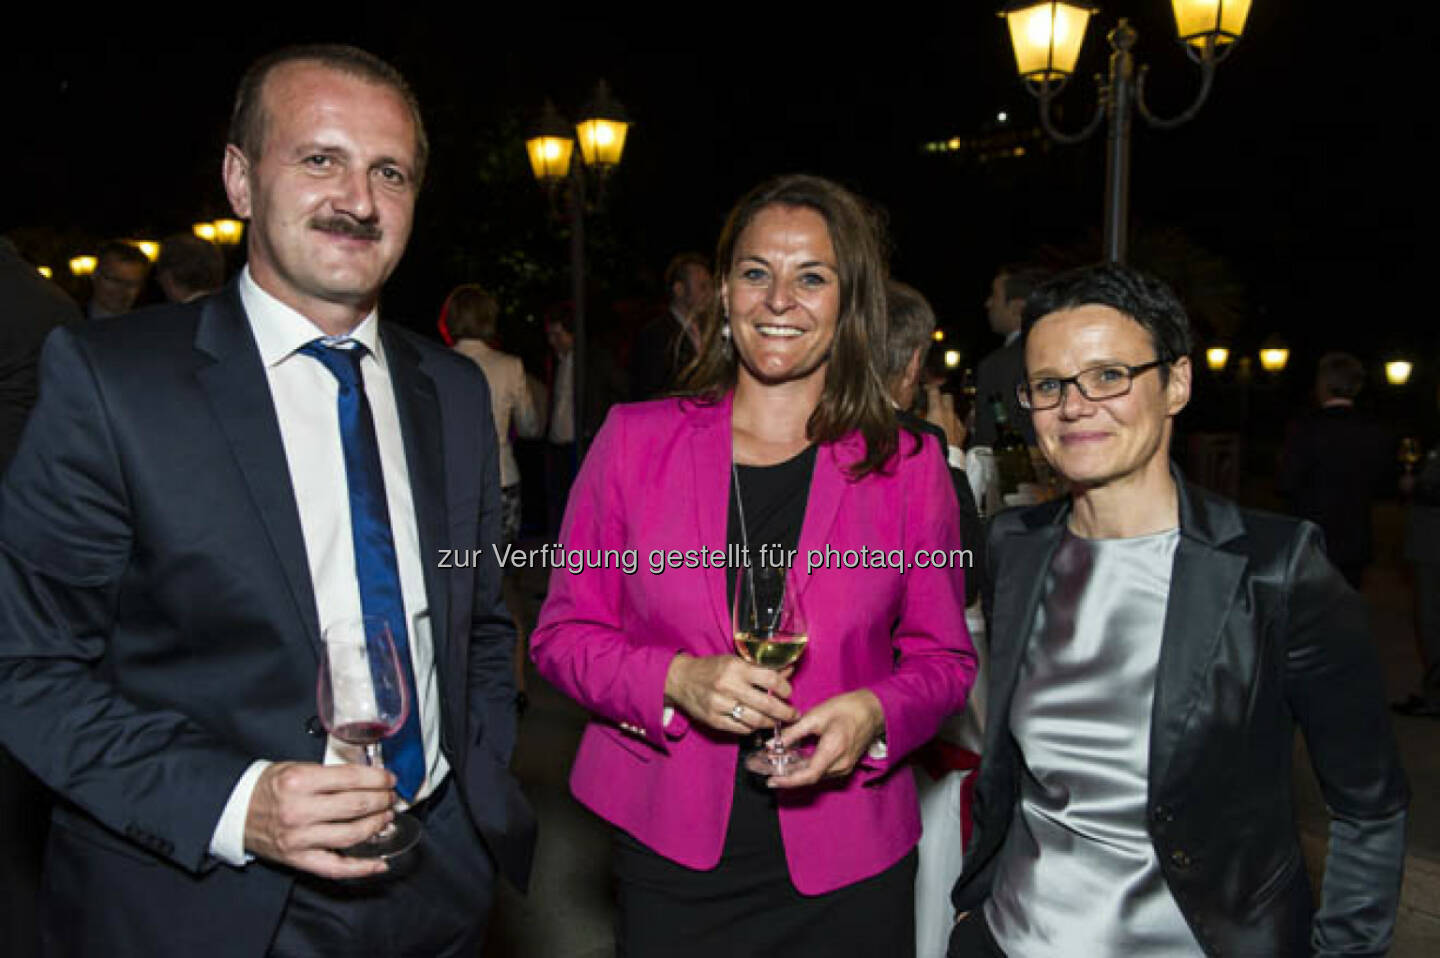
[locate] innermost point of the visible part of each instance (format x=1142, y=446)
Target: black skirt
x=747, y=907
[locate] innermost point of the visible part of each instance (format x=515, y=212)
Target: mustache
x=347, y=226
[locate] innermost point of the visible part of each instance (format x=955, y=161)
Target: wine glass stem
x=372, y=755
x=774, y=744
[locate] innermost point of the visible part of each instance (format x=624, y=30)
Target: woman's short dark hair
x=249, y=123
x=472, y=312
x=1142, y=297
x=854, y=397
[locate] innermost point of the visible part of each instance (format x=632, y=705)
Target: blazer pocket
x=628, y=741
x=1280, y=879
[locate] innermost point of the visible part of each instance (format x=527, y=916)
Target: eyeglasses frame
x=1022, y=388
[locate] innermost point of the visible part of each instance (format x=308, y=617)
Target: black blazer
x=1000, y=372
x=659, y=351
x=1261, y=634
x=158, y=627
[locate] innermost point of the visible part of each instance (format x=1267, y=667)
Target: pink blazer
x=657, y=478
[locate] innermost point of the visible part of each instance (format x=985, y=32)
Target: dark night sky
x=1304, y=175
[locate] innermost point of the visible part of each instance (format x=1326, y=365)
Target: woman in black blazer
x=1153, y=648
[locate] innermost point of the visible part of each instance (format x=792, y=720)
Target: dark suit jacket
x=158, y=627
x=660, y=350
x=972, y=536
x=999, y=373
x=1335, y=462
x=1261, y=634
x=30, y=306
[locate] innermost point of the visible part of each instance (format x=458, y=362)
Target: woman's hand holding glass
x=727, y=693
x=844, y=727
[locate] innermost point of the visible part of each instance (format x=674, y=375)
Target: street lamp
x=1274, y=356
x=1216, y=357
x=82, y=265
x=1046, y=36
x=1397, y=371
x=228, y=232
x=601, y=133
x=205, y=231
x=150, y=248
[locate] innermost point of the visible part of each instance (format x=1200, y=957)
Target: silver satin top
x=1078, y=874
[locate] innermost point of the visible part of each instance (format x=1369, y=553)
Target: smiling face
x=1123, y=438
x=782, y=295
x=332, y=195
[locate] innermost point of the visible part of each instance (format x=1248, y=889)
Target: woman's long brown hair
x=854, y=397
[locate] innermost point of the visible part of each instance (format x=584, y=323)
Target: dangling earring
x=725, y=346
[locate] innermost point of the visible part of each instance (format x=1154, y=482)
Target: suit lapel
x=241, y=403
x=827, y=490
x=1203, y=586
x=418, y=409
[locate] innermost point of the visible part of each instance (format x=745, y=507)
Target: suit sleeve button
x=314, y=727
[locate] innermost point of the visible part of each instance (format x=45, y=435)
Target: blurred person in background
x=998, y=373
x=666, y=345
x=945, y=766
x=189, y=267
x=119, y=279
x=473, y=317
x=1335, y=462
x=30, y=307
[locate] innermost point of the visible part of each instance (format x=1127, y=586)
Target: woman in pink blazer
x=710, y=860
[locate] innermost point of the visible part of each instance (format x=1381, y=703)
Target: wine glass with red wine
x=363, y=700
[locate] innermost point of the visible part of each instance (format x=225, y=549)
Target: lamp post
x=1047, y=36
x=601, y=134
x=1397, y=371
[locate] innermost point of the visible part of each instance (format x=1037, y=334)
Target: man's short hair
x=912, y=322
x=248, y=121
x=1340, y=375
x=194, y=264
x=120, y=251
x=675, y=271
x=1020, y=279
x=1143, y=298
x=472, y=312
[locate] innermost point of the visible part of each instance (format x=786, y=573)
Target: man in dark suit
x=1335, y=462
x=30, y=306
x=176, y=535
x=666, y=345
x=1153, y=648
x=998, y=373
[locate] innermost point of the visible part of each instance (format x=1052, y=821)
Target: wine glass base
x=769, y=762
x=396, y=838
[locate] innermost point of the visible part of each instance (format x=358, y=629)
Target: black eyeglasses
x=1096, y=384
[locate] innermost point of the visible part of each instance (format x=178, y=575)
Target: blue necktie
x=375, y=564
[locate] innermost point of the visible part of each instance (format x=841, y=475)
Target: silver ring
x=737, y=711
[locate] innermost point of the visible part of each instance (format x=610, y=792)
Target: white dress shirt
x=305, y=394
x=562, y=408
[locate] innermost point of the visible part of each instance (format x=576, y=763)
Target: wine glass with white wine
x=771, y=632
